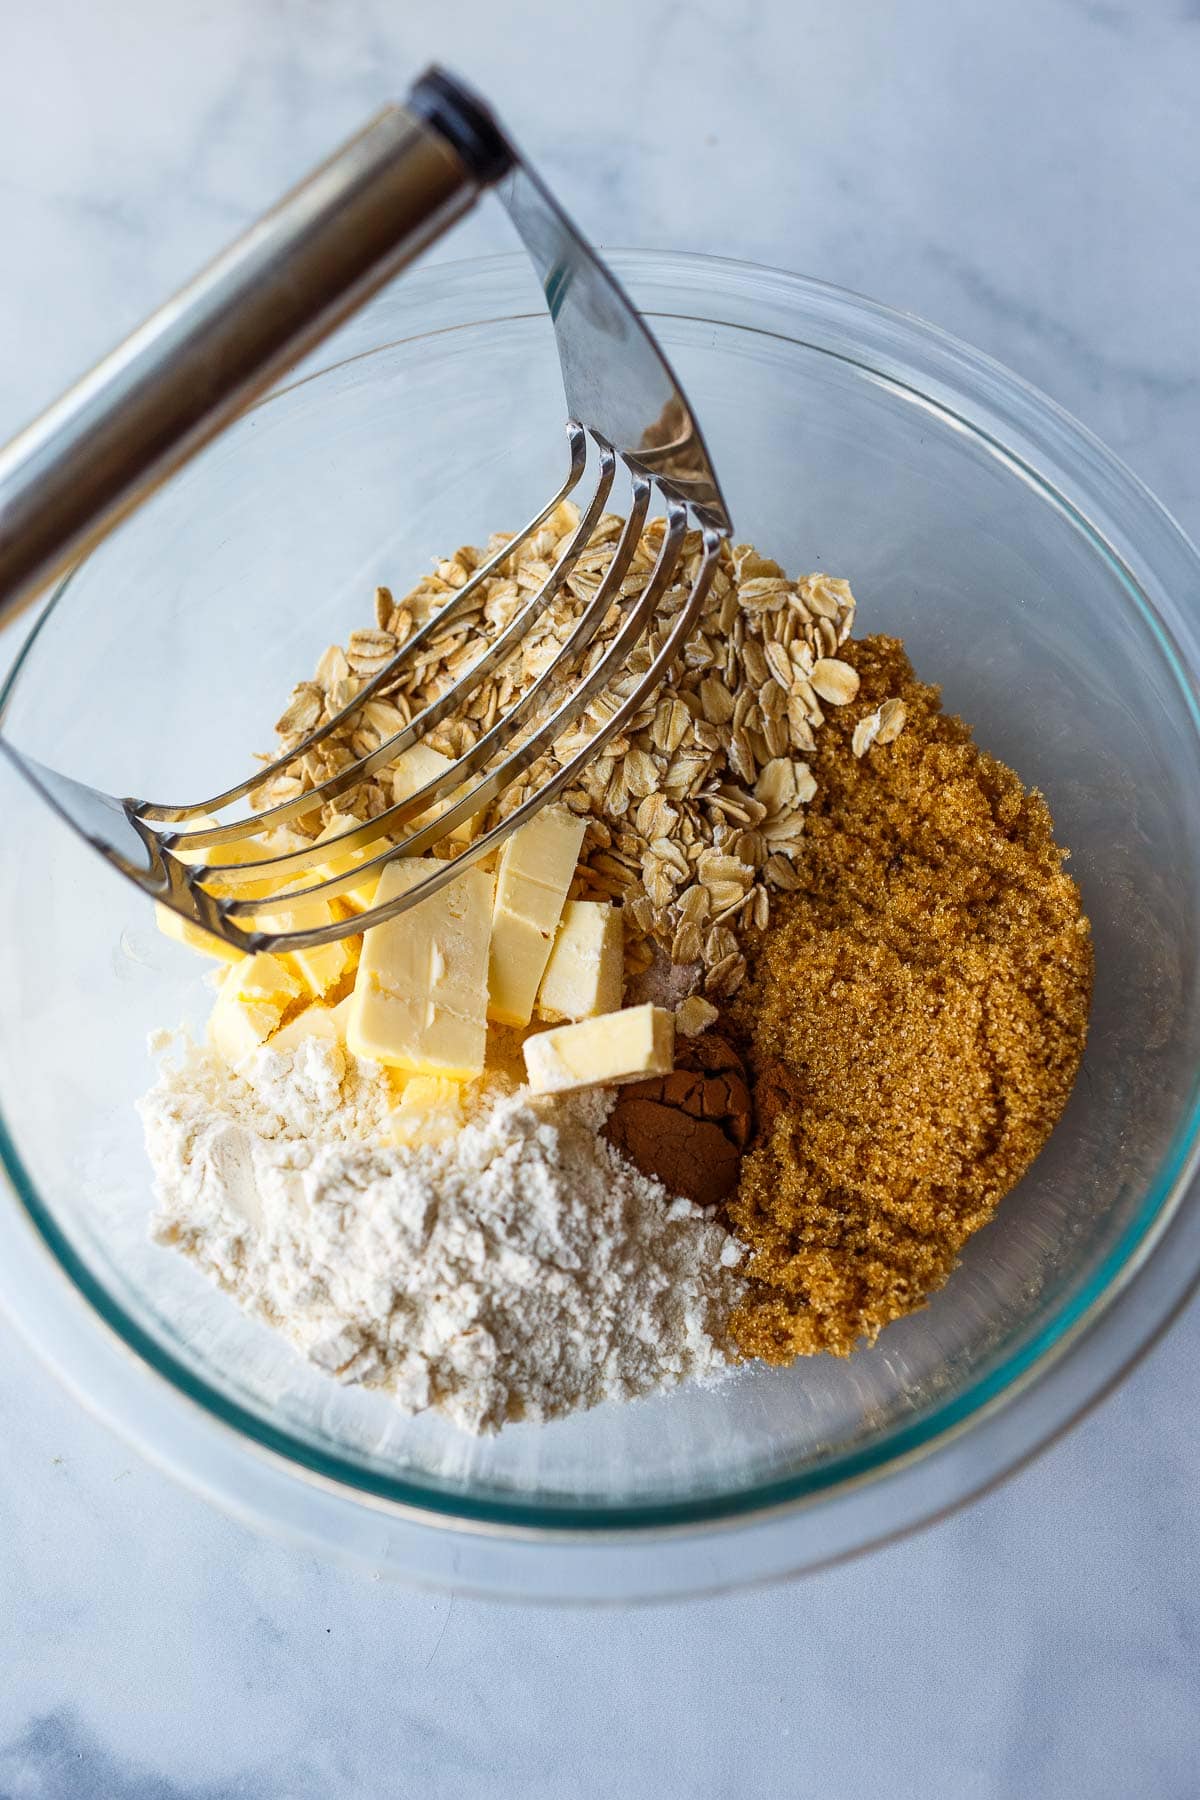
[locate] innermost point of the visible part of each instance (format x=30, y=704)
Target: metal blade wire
x=452, y=701
x=503, y=732
x=225, y=912
x=505, y=772
x=154, y=813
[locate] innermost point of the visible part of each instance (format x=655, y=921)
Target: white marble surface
x=1029, y=176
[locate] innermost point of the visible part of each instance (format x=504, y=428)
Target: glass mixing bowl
x=1029, y=573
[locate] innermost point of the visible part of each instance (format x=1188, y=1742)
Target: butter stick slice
x=616, y=1047
x=321, y=966
x=586, y=969
x=430, y=1112
x=537, y=866
x=254, y=996
x=341, y=861
x=415, y=769
x=185, y=931
x=316, y=1021
x=420, y=994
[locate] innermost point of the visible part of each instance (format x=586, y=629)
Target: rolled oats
x=892, y=717
x=304, y=711
x=864, y=734
x=687, y=944
x=880, y=727
x=694, y=1015
x=694, y=904
x=696, y=810
x=834, y=681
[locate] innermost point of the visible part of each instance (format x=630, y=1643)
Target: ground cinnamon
x=691, y=1127
x=914, y=1021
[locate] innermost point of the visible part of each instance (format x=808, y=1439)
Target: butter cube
x=254, y=996
x=412, y=771
x=184, y=931
x=430, y=1112
x=586, y=970
x=241, y=850
x=537, y=866
x=616, y=1047
x=321, y=966
x=420, y=995
x=316, y=1021
x=341, y=861
x=416, y=766
x=172, y=925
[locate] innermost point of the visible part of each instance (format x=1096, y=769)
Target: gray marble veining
x=1027, y=176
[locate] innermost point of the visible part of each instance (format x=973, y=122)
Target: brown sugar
x=914, y=1020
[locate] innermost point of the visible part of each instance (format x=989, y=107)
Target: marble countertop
x=1029, y=177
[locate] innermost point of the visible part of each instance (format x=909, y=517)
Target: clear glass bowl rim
x=1073, y=471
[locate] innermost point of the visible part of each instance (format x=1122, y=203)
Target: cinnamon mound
x=689, y=1128
x=914, y=1018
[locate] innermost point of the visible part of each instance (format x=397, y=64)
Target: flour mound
x=522, y=1271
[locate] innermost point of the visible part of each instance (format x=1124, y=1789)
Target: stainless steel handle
x=198, y=361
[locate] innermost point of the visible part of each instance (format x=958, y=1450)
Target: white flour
x=522, y=1271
